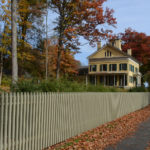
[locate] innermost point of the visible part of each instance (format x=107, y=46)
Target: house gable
x=107, y=48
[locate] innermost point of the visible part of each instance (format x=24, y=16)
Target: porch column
x=95, y=80
x=124, y=80
x=127, y=79
x=104, y=80
x=114, y=80
x=117, y=77
x=86, y=80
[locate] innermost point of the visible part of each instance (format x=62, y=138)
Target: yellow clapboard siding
x=101, y=53
x=99, y=58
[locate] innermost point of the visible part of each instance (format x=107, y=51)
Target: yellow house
x=110, y=66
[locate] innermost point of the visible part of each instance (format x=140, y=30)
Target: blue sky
x=129, y=13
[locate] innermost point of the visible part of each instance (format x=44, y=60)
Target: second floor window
x=131, y=68
x=123, y=67
x=108, y=54
x=103, y=67
x=113, y=67
x=136, y=69
x=93, y=68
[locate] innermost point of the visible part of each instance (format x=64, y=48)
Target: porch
x=116, y=80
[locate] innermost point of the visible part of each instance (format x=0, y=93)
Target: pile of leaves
x=148, y=148
x=105, y=135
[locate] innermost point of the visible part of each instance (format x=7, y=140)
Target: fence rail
x=33, y=121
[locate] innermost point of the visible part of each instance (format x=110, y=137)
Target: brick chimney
x=129, y=52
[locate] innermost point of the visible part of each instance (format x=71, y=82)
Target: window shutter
x=100, y=67
x=109, y=67
x=120, y=67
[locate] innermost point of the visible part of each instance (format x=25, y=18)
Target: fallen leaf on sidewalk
x=108, y=134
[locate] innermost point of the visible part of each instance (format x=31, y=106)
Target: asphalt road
x=138, y=141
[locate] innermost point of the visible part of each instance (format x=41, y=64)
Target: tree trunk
x=46, y=63
x=58, y=63
x=60, y=48
x=60, y=39
x=1, y=68
x=14, y=41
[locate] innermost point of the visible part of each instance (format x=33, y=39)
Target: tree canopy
x=78, y=18
x=140, y=44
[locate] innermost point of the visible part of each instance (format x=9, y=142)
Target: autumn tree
x=5, y=48
x=80, y=18
x=30, y=32
x=5, y=42
x=140, y=45
x=68, y=64
x=31, y=29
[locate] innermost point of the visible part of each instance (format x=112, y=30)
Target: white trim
x=96, y=52
x=133, y=61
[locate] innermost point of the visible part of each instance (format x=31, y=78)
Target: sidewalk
x=117, y=132
x=139, y=141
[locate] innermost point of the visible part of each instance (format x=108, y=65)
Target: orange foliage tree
x=68, y=64
x=80, y=18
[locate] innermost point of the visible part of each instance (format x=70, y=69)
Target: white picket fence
x=33, y=121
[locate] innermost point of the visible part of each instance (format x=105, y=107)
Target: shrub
x=99, y=88
x=138, y=89
x=25, y=86
x=6, y=80
x=61, y=85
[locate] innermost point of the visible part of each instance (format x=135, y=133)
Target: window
x=123, y=67
x=93, y=68
x=103, y=67
x=130, y=79
x=136, y=69
x=113, y=43
x=108, y=54
x=131, y=68
x=113, y=67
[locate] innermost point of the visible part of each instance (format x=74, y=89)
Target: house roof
x=117, y=49
x=83, y=70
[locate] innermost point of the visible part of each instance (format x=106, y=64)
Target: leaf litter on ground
x=107, y=134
